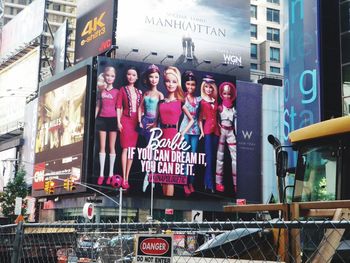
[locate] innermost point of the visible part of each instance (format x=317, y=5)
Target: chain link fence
x=238, y=241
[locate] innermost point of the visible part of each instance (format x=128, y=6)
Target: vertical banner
x=301, y=56
x=144, y=110
x=203, y=35
x=29, y=136
x=95, y=27
x=249, y=141
x=60, y=48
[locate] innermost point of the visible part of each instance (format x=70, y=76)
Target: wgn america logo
x=231, y=59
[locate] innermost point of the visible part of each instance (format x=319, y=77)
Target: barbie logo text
x=177, y=143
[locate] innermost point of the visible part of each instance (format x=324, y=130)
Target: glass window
x=253, y=50
x=345, y=16
x=316, y=174
x=253, y=30
x=273, y=34
x=275, y=69
x=273, y=15
x=274, y=1
x=274, y=54
x=253, y=66
x=253, y=11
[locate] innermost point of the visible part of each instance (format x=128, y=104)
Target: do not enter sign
x=154, y=249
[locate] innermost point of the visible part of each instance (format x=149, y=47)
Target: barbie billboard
x=211, y=35
x=165, y=129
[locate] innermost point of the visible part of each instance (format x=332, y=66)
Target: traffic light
x=72, y=185
x=49, y=187
x=66, y=184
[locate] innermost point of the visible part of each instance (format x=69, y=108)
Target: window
x=275, y=70
x=274, y=1
x=253, y=66
x=253, y=30
x=253, y=11
x=253, y=50
x=273, y=34
x=272, y=15
x=274, y=54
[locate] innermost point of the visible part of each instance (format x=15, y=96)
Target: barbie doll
x=148, y=108
x=209, y=126
x=106, y=121
x=193, y=134
x=128, y=102
x=170, y=110
x=228, y=114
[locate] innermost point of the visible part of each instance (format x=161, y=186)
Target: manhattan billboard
x=203, y=35
x=95, y=28
x=177, y=132
x=60, y=132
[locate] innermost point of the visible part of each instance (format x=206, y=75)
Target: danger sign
x=154, y=249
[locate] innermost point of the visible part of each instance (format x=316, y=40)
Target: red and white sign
x=88, y=210
x=154, y=249
x=39, y=176
x=154, y=246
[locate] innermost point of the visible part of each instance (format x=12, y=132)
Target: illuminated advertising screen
x=60, y=133
x=172, y=128
x=95, y=27
x=302, y=80
x=203, y=35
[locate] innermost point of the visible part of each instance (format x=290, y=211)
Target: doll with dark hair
x=148, y=108
x=128, y=102
x=193, y=134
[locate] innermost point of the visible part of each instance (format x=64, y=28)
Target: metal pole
x=120, y=220
x=152, y=185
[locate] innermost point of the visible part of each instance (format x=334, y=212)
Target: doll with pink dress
x=169, y=112
x=128, y=102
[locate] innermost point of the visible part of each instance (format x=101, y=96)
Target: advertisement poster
x=196, y=34
x=95, y=27
x=60, y=48
x=60, y=132
x=143, y=111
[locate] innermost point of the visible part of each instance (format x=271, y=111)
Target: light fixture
x=235, y=67
x=134, y=50
x=167, y=56
x=149, y=54
x=221, y=64
x=205, y=61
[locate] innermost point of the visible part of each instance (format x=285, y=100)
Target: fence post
x=17, y=244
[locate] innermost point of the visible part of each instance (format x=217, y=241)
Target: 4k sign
x=154, y=249
x=92, y=25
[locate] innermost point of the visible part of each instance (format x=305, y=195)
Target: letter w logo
x=247, y=134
